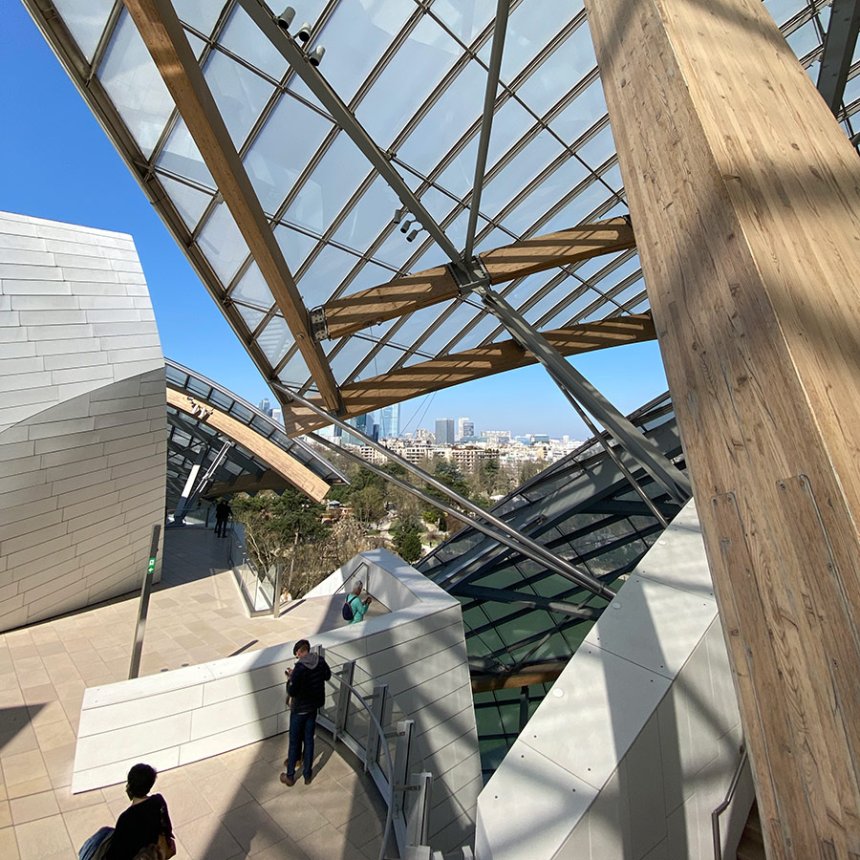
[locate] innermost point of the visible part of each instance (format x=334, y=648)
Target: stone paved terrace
x=229, y=806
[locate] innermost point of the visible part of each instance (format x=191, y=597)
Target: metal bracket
x=470, y=275
x=319, y=324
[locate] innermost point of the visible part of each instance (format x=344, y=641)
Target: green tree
x=368, y=504
x=406, y=537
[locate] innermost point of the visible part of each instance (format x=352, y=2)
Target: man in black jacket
x=306, y=688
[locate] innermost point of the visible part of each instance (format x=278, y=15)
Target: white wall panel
x=77, y=379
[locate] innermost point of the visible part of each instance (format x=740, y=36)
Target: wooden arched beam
x=287, y=466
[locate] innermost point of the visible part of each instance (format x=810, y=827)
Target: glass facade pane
x=135, y=86
x=222, y=243
x=86, y=22
x=275, y=340
x=180, y=155
x=243, y=38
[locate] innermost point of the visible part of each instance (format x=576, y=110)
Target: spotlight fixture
x=404, y=227
x=304, y=32
x=316, y=55
x=412, y=235
x=285, y=19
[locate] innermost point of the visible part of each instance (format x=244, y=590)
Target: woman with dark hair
x=145, y=821
x=142, y=831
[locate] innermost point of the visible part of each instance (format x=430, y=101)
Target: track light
x=304, y=32
x=285, y=19
x=412, y=235
x=404, y=227
x=316, y=55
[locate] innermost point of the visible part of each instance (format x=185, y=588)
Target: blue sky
x=57, y=163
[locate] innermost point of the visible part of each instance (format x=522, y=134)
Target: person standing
x=358, y=604
x=306, y=689
x=222, y=514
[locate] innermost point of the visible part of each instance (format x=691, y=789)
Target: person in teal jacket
x=358, y=604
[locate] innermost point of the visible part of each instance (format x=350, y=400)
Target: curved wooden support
x=287, y=466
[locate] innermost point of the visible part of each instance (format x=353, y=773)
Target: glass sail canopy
x=413, y=74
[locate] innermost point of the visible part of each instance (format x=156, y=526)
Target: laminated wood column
x=744, y=197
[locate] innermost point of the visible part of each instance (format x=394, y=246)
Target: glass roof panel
x=783, y=10
x=366, y=219
x=574, y=120
x=547, y=194
x=529, y=29
x=348, y=357
x=243, y=38
x=189, y=202
x=180, y=155
x=275, y=339
x=200, y=14
x=598, y=148
x=334, y=180
x=325, y=274
x=804, y=40
x=295, y=245
x=292, y=134
x=134, y=85
x=253, y=290
x=360, y=31
x=465, y=18
x=239, y=93
x=522, y=168
x=370, y=275
x=569, y=63
x=222, y=243
x=295, y=372
x=457, y=108
x=417, y=67
x=86, y=23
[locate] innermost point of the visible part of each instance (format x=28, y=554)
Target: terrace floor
x=229, y=806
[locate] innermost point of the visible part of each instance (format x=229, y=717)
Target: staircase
x=751, y=846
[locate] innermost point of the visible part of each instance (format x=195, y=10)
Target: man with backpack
x=355, y=607
x=306, y=691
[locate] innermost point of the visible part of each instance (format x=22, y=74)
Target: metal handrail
x=390, y=765
x=715, y=815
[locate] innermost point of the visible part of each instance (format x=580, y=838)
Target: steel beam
x=284, y=43
x=501, y=26
x=839, y=43
x=503, y=595
x=577, y=388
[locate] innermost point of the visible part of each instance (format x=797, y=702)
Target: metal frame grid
x=188, y=437
x=581, y=508
x=413, y=73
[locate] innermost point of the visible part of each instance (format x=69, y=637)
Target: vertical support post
x=748, y=241
x=380, y=707
x=418, y=816
x=143, y=606
x=402, y=752
x=344, y=693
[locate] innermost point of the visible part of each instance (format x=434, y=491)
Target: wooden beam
x=745, y=193
x=287, y=466
x=422, y=289
x=165, y=40
x=541, y=673
x=459, y=367
x=269, y=480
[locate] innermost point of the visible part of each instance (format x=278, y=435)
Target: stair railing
x=715, y=815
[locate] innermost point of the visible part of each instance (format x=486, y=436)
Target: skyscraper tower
x=465, y=428
x=265, y=406
x=389, y=422
x=444, y=431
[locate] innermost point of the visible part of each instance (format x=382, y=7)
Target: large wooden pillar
x=744, y=197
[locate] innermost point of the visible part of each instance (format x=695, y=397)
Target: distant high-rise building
x=444, y=431
x=277, y=415
x=363, y=425
x=389, y=422
x=465, y=428
x=265, y=406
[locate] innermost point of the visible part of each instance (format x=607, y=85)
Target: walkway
x=230, y=806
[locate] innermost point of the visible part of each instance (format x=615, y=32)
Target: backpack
x=346, y=611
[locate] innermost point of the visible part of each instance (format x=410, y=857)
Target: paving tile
x=8, y=844
x=33, y=806
x=44, y=839
x=252, y=827
x=82, y=823
x=206, y=838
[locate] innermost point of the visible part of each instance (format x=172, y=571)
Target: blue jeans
x=88, y=849
x=302, y=727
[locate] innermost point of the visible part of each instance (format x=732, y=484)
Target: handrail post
x=380, y=708
x=715, y=815
x=402, y=752
x=347, y=670
x=418, y=817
